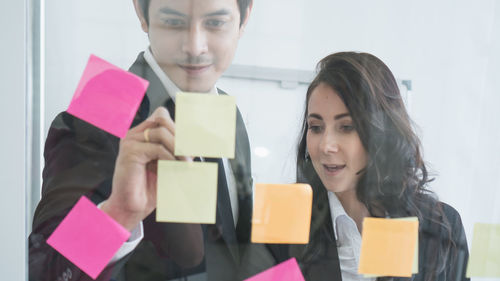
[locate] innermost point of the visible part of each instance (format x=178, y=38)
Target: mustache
x=194, y=60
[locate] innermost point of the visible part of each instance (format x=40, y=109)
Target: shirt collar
x=336, y=210
x=170, y=87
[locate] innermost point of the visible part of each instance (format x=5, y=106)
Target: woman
x=359, y=153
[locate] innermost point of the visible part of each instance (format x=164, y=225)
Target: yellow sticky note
x=484, y=260
x=281, y=213
x=205, y=125
x=187, y=192
x=414, y=269
x=388, y=247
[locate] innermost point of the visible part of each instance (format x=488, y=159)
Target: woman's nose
x=329, y=143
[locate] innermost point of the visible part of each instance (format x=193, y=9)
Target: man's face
x=194, y=41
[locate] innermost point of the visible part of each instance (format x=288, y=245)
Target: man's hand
x=133, y=195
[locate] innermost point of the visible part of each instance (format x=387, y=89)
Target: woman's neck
x=353, y=207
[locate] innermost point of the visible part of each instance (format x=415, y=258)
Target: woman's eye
x=347, y=128
x=315, y=129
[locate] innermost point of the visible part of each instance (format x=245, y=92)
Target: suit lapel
x=328, y=263
x=156, y=93
x=241, y=167
x=321, y=259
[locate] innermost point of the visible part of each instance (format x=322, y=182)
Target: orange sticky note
x=415, y=257
x=281, y=213
x=388, y=247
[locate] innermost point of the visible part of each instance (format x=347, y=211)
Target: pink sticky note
x=88, y=237
x=286, y=271
x=107, y=97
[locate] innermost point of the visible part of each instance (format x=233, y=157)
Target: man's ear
x=245, y=20
x=140, y=15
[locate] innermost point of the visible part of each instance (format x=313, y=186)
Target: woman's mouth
x=333, y=169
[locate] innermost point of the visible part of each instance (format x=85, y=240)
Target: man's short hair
x=242, y=5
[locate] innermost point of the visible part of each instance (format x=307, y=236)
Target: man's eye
x=214, y=23
x=175, y=22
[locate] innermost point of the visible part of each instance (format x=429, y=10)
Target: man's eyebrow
x=315, y=115
x=170, y=11
x=221, y=12
x=342, y=115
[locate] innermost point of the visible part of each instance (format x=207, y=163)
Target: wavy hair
x=393, y=183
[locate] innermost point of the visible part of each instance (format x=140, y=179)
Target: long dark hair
x=394, y=180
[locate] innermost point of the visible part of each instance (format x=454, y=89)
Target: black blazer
x=322, y=263
x=80, y=160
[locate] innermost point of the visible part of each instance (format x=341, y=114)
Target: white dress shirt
x=348, y=240
x=156, y=101
x=173, y=90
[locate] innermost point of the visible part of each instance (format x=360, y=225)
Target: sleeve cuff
x=135, y=238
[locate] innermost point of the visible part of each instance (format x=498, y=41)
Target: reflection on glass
x=445, y=51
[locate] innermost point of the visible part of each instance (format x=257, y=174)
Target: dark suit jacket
x=80, y=160
x=322, y=263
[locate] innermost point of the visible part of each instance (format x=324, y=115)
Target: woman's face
x=336, y=151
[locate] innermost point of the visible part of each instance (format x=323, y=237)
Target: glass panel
x=418, y=139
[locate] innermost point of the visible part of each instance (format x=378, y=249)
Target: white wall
x=76, y=29
x=13, y=122
x=273, y=117
x=449, y=49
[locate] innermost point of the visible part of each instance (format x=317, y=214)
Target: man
x=192, y=42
